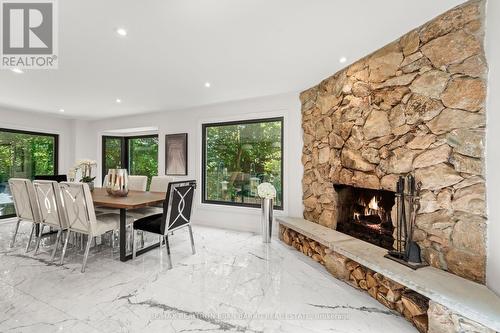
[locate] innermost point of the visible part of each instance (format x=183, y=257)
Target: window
x=139, y=154
x=237, y=157
x=24, y=155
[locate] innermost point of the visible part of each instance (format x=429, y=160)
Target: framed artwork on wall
x=176, y=154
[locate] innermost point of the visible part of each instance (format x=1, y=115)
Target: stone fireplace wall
x=416, y=104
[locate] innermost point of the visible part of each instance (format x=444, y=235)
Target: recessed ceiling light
x=207, y=85
x=342, y=60
x=118, y=100
x=17, y=70
x=61, y=110
x=121, y=31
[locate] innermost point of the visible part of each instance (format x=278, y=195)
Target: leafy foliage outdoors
x=241, y=156
x=113, y=148
x=142, y=155
x=24, y=155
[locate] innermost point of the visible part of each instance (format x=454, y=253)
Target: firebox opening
x=366, y=214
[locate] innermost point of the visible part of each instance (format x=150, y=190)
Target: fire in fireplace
x=366, y=214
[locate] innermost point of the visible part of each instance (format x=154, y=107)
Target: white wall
x=88, y=145
x=492, y=140
x=45, y=123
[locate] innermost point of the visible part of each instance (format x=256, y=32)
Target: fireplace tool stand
x=407, y=251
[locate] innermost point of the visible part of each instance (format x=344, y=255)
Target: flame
x=373, y=204
x=371, y=209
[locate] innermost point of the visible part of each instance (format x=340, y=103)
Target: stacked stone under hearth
x=391, y=294
x=416, y=105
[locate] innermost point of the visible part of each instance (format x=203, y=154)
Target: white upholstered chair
x=160, y=183
x=51, y=208
x=137, y=183
x=106, y=210
x=81, y=218
x=26, y=206
x=105, y=181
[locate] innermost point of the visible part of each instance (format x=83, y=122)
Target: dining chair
x=106, y=210
x=48, y=195
x=137, y=183
x=160, y=183
x=57, y=178
x=177, y=209
x=105, y=181
x=26, y=206
x=81, y=218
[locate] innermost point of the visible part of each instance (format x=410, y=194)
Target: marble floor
x=233, y=284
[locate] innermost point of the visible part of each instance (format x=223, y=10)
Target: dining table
x=134, y=200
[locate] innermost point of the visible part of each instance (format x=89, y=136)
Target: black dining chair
x=177, y=209
x=55, y=178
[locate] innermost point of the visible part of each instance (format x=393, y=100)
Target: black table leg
x=123, y=234
x=123, y=239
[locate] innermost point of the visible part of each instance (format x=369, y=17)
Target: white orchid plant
x=266, y=191
x=86, y=166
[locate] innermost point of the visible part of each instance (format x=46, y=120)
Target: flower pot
x=266, y=220
x=91, y=186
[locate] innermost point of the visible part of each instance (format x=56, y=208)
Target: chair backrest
x=25, y=203
x=178, y=205
x=79, y=207
x=160, y=183
x=137, y=183
x=57, y=178
x=49, y=199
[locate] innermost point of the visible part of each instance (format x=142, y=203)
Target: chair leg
x=87, y=249
x=134, y=245
x=65, y=246
x=31, y=237
x=38, y=239
x=192, y=239
x=58, y=238
x=168, y=252
x=15, y=233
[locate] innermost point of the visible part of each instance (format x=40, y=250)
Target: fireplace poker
x=411, y=192
x=403, y=214
x=412, y=249
x=399, y=247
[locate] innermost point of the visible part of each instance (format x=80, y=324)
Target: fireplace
x=366, y=214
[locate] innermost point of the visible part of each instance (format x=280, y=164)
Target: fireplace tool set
x=407, y=251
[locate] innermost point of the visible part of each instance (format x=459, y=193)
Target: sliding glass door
x=137, y=154
x=24, y=155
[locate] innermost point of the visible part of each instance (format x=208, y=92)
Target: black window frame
x=124, y=149
x=56, y=151
x=204, y=127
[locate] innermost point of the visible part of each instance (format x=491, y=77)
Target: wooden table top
x=135, y=199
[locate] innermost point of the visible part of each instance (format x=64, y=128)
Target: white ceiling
x=244, y=48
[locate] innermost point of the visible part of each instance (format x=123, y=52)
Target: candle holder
x=117, y=182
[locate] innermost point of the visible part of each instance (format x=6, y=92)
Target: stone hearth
x=417, y=105
x=393, y=295
x=432, y=299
